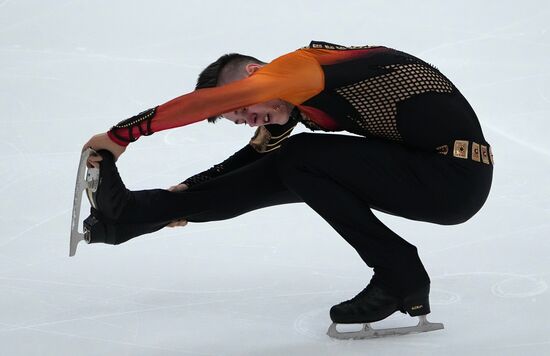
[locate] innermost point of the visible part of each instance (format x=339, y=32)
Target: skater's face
x=274, y=111
x=270, y=112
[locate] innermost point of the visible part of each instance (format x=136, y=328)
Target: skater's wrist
x=133, y=128
x=117, y=140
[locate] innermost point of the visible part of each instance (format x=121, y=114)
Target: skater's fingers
x=95, y=163
x=93, y=160
x=177, y=223
x=95, y=155
x=181, y=222
x=178, y=188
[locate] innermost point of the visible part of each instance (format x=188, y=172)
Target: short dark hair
x=210, y=76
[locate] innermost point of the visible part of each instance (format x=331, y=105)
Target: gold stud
x=484, y=154
x=460, y=149
x=475, y=152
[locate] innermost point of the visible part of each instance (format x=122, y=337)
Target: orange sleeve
x=294, y=77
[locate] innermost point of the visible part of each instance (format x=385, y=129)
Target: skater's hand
x=178, y=188
x=177, y=223
x=102, y=142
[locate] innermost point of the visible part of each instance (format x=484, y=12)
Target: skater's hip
x=469, y=183
x=480, y=151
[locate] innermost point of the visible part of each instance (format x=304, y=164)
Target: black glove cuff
x=124, y=130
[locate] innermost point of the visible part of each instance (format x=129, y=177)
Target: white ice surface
x=260, y=284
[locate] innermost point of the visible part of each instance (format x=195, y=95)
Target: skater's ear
x=226, y=69
x=251, y=68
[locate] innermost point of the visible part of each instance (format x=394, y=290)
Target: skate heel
x=96, y=231
x=417, y=303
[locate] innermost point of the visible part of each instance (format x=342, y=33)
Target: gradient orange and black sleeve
x=294, y=77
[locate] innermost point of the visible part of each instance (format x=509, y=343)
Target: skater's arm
x=294, y=78
x=266, y=139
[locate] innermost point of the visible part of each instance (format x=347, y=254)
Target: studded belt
x=469, y=150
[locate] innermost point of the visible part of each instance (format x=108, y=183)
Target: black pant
x=342, y=178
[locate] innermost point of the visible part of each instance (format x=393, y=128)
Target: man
x=420, y=154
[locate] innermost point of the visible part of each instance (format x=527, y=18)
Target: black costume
x=422, y=156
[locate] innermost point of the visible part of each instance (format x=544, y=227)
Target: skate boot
x=96, y=230
x=100, y=230
x=104, y=189
x=376, y=303
x=110, y=196
x=371, y=304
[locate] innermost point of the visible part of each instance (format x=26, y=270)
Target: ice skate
x=110, y=196
x=375, y=304
x=86, y=179
x=107, y=195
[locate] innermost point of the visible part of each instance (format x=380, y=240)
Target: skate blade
x=367, y=332
x=82, y=183
x=92, y=182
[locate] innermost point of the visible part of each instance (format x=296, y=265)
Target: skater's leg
x=343, y=177
x=252, y=187
x=105, y=231
x=249, y=188
x=395, y=261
